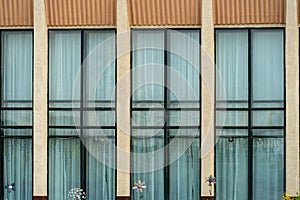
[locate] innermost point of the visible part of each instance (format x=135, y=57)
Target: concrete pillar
x=40, y=100
x=123, y=100
x=292, y=97
x=208, y=81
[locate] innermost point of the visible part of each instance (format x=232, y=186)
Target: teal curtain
x=89, y=83
x=266, y=136
x=16, y=92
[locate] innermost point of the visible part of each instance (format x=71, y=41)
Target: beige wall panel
x=164, y=12
x=249, y=11
x=80, y=12
x=16, y=12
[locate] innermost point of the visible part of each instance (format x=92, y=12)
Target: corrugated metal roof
x=164, y=12
x=16, y=12
x=80, y=12
x=249, y=11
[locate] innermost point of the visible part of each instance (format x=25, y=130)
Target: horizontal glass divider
x=249, y=109
x=16, y=127
x=82, y=136
x=253, y=136
x=162, y=109
x=83, y=109
x=16, y=108
x=246, y=101
x=81, y=127
x=166, y=127
x=16, y=137
x=17, y=101
x=249, y=127
x=175, y=136
x=162, y=101
x=79, y=101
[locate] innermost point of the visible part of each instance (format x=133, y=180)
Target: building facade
x=102, y=94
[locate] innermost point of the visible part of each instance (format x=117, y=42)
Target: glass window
x=165, y=125
x=82, y=113
x=250, y=113
x=16, y=113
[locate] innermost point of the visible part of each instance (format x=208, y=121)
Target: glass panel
x=184, y=118
x=17, y=168
x=268, y=132
x=148, y=118
x=185, y=171
x=183, y=104
x=64, y=167
x=146, y=160
x=16, y=117
x=143, y=104
x=184, y=64
x=231, y=118
x=99, y=133
x=99, y=118
x=232, y=169
x=267, y=65
x=100, y=172
x=268, y=168
x=147, y=133
x=64, y=65
x=65, y=104
x=148, y=65
x=194, y=133
x=64, y=132
x=232, y=65
x=16, y=67
x=64, y=118
x=17, y=132
x=268, y=118
x=232, y=132
x=99, y=65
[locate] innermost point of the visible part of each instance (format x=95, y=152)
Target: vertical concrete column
x=123, y=100
x=208, y=80
x=40, y=101
x=292, y=97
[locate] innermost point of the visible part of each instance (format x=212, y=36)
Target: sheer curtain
x=16, y=68
x=64, y=167
x=232, y=169
x=147, y=83
x=267, y=83
x=67, y=151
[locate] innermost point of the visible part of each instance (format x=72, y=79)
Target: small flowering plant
x=10, y=187
x=139, y=186
x=210, y=182
x=76, y=193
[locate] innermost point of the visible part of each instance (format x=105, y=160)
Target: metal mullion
x=166, y=139
x=250, y=142
x=82, y=97
x=1, y=131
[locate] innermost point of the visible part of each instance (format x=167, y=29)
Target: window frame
x=249, y=109
x=3, y=137
x=81, y=109
x=166, y=109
